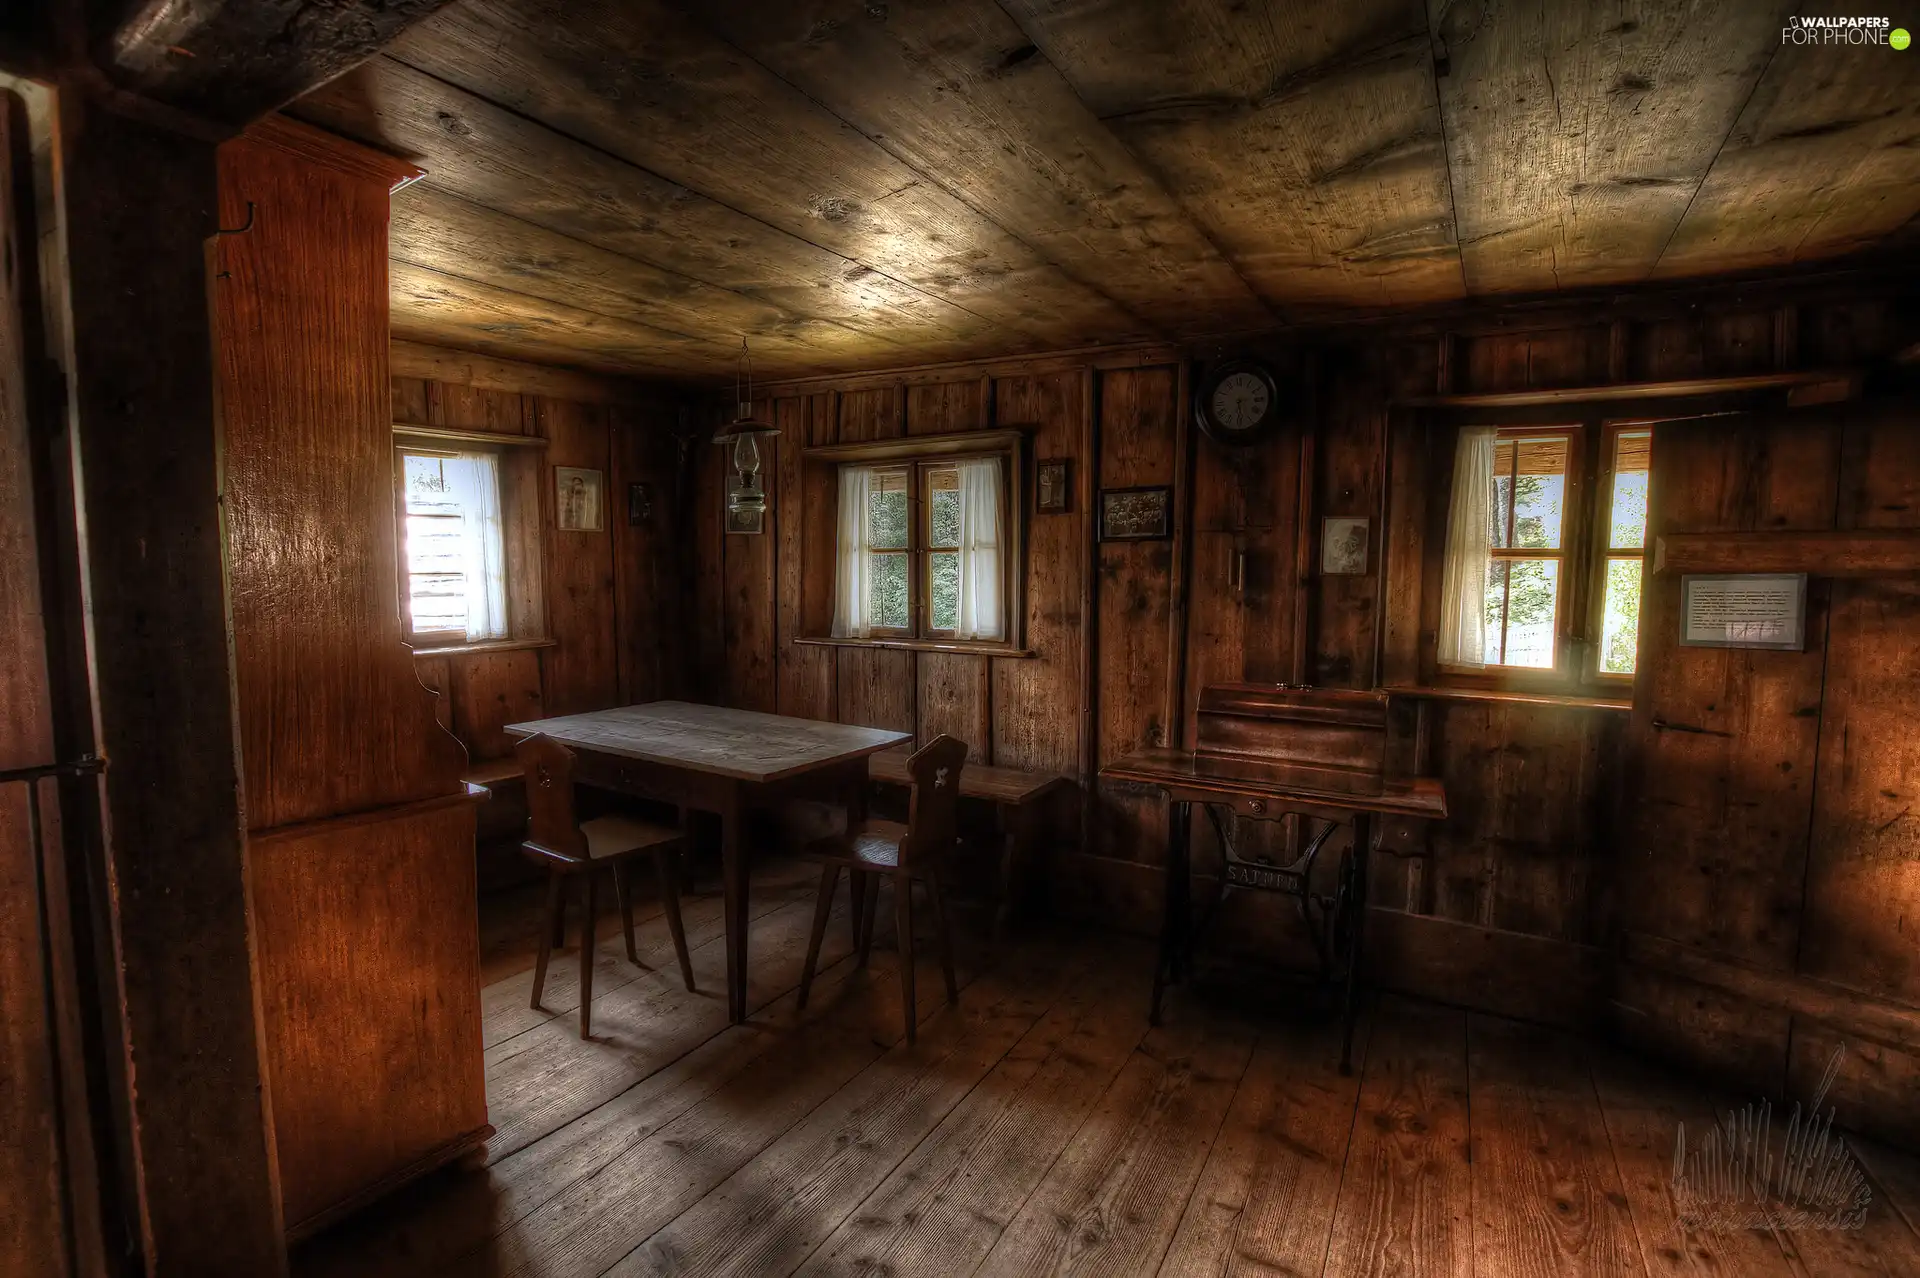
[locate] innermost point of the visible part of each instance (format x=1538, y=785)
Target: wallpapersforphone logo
x=1857, y=31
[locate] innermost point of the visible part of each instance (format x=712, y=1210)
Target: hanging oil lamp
x=746, y=497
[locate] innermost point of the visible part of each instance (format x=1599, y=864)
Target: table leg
x=733, y=876
x=1177, y=918
x=1356, y=942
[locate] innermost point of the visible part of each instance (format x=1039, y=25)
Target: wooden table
x=721, y=761
x=1263, y=791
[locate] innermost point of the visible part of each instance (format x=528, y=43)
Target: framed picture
x=1053, y=486
x=639, y=504
x=1343, y=547
x=1136, y=514
x=577, y=499
x=1744, y=610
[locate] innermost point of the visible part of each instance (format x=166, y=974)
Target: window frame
x=1585, y=523
x=521, y=475
x=919, y=456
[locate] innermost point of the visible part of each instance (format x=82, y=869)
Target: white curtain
x=980, y=574
x=1463, y=583
x=473, y=480
x=852, y=579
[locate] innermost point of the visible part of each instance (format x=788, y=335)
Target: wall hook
x=242, y=228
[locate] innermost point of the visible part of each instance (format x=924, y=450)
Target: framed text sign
x=1744, y=610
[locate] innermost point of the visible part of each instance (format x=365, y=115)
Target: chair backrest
x=549, y=780
x=933, y=812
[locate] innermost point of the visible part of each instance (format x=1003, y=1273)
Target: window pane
x=943, y=508
x=1627, y=526
x=1534, y=588
x=1502, y=503
x=887, y=604
x=1539, y=493
x=887, y=511
x=944, y=578
x=1620, y=622
x=436, y=580
x=1496, y=610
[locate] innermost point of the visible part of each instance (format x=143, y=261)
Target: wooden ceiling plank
x=428, y=306
x=1825, y=159
x=638, y=80
x=434, y=229
x=956, y=92
x=1305, y=138
x=493, y=157
x=1577, y=134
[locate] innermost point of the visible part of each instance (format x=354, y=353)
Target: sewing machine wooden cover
x=1332, y=740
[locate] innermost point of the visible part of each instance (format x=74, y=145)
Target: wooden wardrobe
x=360, y=831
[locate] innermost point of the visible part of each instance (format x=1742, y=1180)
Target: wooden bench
x=487, y=773
x=1017, y=798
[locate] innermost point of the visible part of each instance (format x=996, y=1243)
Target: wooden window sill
x=471, y=649
x=1584, y=701
x=923, y=645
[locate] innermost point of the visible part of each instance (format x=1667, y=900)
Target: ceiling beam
x=229, y=62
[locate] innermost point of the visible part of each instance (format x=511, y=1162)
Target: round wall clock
x=1238, y=402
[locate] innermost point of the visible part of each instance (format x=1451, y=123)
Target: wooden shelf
x=1805, y=386
x=1575, y=701
x=404, y=431
x=1883, y=553
x=474, y=649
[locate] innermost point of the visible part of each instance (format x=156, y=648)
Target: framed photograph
x=577, y=499
x=639, y=504
x=1744, y=610
x=1136, y=514
x=1053, y=486
x=1343, y=547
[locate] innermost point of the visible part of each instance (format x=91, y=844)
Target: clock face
x=1240, y=401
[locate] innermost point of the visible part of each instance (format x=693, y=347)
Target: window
x=919, y=550
x=1525, y=552
x=454, y=554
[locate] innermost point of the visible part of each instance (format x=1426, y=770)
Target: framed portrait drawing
x=1343, y=547
x=578, y=499
x=1053, y=486
x=1136, y=514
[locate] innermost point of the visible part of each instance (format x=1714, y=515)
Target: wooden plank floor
x=1043, y=1128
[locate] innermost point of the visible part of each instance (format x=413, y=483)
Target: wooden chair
x=569, y=849
x=908, y=854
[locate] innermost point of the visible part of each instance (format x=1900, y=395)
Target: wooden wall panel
x=803, y=673
x=489, y=691
x=945, y=407
x=705, y=528
x=1138, y=416
x=1525, y=843
x=876, y=688
x=955, y=696
x=1038, y=700
x=580, y=671
x=749, y=600
x=644, y=611
x=353, y=943
x=1724, y=739
x=1863, y=877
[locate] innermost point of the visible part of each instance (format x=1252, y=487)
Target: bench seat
x=1009, y=786
x=491, y=772
x=1016, y=798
